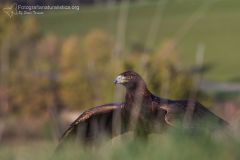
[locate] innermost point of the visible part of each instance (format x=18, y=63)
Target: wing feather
x=85, y=117
x=194, y=112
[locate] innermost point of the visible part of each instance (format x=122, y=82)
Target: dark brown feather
x=191, y=113
x=93, y=122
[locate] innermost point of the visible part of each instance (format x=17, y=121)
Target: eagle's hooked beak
x=120, y=79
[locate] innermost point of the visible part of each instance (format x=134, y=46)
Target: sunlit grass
x=171, y=145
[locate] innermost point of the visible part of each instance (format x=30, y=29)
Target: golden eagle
x=141, y=112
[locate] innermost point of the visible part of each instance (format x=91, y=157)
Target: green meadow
x=171, y=145
x=213, y=25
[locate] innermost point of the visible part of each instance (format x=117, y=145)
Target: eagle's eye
x=129, y=77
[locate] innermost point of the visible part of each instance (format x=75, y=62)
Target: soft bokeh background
x=55, y=65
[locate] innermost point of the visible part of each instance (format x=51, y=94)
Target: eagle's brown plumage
x=95, y=122
x=190, y=113
x=142, y=112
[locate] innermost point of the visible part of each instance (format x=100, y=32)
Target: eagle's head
x=130, y=79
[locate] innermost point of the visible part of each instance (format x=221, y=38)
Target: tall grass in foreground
x=170, y=145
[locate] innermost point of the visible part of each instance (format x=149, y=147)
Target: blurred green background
x=214, y=24
x=55, y=65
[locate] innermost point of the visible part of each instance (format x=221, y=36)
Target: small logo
x=11, y=10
